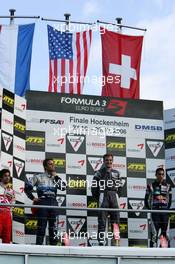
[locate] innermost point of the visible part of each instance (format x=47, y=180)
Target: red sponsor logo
x=60, y=140
x=120, y=106
x=143, y=226
x=81, y=162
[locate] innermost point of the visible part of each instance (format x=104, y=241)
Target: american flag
x=68, y=60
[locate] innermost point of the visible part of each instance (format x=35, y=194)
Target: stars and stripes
x=68, y=60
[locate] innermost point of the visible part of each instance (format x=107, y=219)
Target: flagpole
x=120, y=25
x=12, y=12
x=12, y=16
x=65, y=21
x=119, y=22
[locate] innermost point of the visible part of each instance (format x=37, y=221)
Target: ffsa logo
x=52, y=121
x=148, y=128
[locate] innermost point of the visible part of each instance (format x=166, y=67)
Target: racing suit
x=46, y=187
x=158, y=197
x=7, y=196
x=105, y=187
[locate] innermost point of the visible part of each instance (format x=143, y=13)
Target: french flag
x=15, y=57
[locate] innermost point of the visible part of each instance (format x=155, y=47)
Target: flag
x=15, y=57
x=68, y=60
x=121, y=57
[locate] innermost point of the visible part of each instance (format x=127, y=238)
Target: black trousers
x=44, y=215
x=159, y=221
x=108, y=199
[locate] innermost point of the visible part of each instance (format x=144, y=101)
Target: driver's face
x=108, y=161
x=50, y=165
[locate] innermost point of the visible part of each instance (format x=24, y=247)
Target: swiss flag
x=121, y=56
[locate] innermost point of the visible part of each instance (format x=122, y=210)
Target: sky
x=158, y=56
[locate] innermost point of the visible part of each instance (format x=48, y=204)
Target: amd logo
x=148, y=128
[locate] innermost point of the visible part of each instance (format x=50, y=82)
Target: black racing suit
x=46, y=187
x=158, y=197
x=105, y=187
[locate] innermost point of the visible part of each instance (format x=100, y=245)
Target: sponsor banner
x=100, y=126
x=76, y=164
x=171, y=175
x=136, y=167
x=80, y=242
x=52, y=122
x=76, y=201
x=77, y=225
x=169, y=118
x=116, y=146
x=75, y=144
x=170, y=138
x=19, y=127
x=95, y=145
x=19, y=146
x=155, y=149
x=18, y=214
x=30, y=239
x=119, y=163
x=35, y=140
x=148, y=129
x=18, y=187
x=173, y=201
x=18, y=235
x=170, y=158
x=136, y=189
x=92, y=203
x=54, y=143
x=63, y=178
x=123, y=227
x=142, y=243
x=89, y=179
x=8, y=101
x=59, y=160
x=30, y=225
x=18, y=169
x=7, y=161
x=172, y=238
x=137, y=228
x=20, y=107
x=136, y=205
x=94, y=163
x=61, y=200
x=76, y=184
x=123, y=191
x=7, y=119
x=61, y=224
x=95, y=105
x=7, y=143
x=92, y=226
x=93, y=243
x=34, y=161
x=123, y=205
x=123, y=242
x=135, y=147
